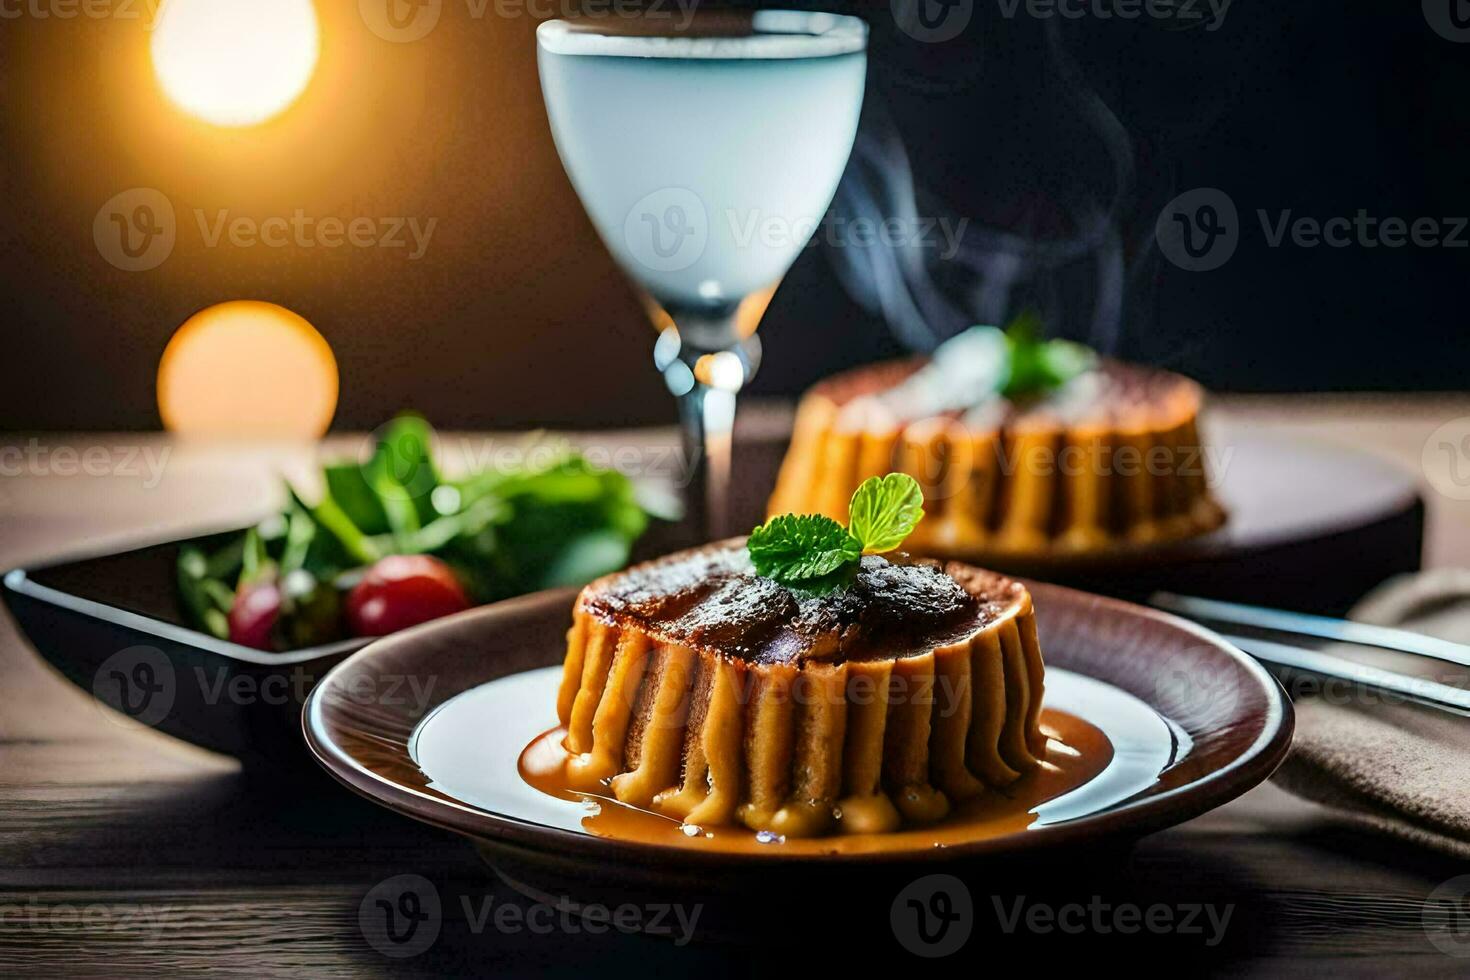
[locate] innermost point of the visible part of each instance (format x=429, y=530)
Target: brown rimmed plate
x=1229, y=722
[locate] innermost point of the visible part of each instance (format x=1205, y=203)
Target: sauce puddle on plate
x=1077, y=752
x=1106, y=747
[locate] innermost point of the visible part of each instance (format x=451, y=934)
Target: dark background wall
x=515, y=316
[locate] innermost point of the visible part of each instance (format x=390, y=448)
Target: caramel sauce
x=1077, y=751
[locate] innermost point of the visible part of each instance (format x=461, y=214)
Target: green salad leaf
x=544, y=518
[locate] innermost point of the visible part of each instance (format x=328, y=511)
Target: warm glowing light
x=234, y=62
x=247, y=369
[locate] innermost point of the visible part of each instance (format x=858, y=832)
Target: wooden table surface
x=124, y=853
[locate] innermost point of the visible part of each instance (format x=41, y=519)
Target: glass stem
x=705, y=364
x=708, y=415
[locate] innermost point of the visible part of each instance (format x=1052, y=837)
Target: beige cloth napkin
x=1381, y=763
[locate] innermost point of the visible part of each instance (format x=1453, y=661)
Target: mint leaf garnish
x=884, y=511
x=793, y=549
x=816, y=554
x=1039, y=365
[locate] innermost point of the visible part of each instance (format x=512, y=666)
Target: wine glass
x=706, y=147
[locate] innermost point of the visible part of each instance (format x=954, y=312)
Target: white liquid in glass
x=706, y=163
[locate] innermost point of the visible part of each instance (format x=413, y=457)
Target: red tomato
x=253, y=615
x=402, y=591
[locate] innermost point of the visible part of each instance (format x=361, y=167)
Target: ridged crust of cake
x=805, y=746
x=1114, y=459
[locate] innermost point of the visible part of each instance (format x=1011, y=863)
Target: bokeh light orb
x=247, y=369
x=234, y=62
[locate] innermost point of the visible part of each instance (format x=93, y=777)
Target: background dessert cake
x=1022, y=447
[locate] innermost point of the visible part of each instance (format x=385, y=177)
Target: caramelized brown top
x=710, y=598
x=1112, y=392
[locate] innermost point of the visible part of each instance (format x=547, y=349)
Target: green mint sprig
x=1036, y=365
x=808, y=550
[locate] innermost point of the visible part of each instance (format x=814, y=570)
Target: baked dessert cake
x=1110, y=456
x=697, y=688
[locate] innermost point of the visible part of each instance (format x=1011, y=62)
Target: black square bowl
x=112, y=625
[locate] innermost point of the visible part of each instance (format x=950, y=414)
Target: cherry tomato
x=402, y=591
x=254, y=613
